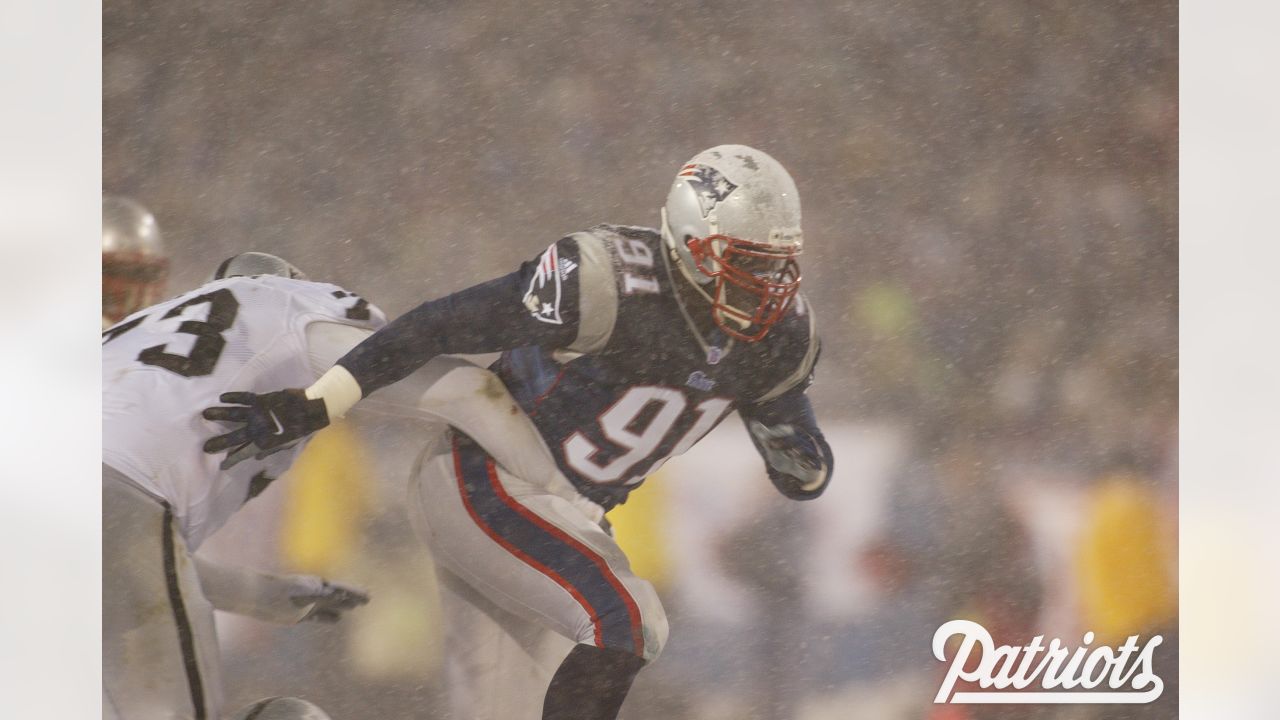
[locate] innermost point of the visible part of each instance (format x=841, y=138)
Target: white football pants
x=526, y=569
x=159, y=647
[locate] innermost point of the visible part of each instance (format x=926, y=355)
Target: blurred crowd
x=990, y=194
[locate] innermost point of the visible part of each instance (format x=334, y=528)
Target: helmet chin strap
x=695, y=278
x=724, y=290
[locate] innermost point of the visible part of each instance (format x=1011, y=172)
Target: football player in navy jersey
x=622, y=346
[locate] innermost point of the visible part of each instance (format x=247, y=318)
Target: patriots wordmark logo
x=1063, y=675
x=710, y=186
x=543, y=297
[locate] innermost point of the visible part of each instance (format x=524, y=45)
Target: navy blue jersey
x=603, y=354
x=637, y=385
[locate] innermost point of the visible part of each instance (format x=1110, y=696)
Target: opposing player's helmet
x=733, y=220
x=248, y=264
x=135, y=266
x=281, y=708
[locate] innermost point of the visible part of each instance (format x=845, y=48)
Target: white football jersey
x=163, y=365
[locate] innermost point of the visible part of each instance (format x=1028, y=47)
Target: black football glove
x=270, y=423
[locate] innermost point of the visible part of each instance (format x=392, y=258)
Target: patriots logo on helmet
x=709, y=184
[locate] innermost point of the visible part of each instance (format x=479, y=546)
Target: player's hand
x=786, y=450
x=269, y=423
x=796, y=462
x=328, y=600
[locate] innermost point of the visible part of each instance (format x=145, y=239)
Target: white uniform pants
x=526, y=573
x=159, y=647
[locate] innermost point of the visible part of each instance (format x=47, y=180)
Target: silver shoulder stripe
x=597, y=294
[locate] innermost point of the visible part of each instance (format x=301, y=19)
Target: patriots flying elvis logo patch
x=543, y=297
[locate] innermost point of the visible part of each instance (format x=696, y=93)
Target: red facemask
x=754, y=282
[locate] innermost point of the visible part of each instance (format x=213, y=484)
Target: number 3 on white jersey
x=615, y=423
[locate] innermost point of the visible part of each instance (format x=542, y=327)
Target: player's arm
x=785, y=432
x=539, y=304
x=281, y=599
x=489, y=317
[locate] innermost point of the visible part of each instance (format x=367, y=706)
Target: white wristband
x=339, y=390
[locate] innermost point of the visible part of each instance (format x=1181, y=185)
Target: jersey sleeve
x=803, y=327
x=597, y=293
x=543, y=303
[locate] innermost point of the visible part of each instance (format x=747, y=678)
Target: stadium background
x=990, y=198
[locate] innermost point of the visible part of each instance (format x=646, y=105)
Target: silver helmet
x=732, y=219
x=281, y=708
x=135, y=265
x=247, y=264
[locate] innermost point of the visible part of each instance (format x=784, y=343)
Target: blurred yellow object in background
x=327, y=498
x=1126, y=586
x=639, y=528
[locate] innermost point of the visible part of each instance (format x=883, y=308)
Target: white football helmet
x=135, y=266
x=281, y=708
x=732, y=219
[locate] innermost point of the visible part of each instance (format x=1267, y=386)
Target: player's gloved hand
x=328, y=600
x=270, y=422
x=797, y=463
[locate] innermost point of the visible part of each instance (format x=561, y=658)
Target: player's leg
x=159, y=650
x=591, y=682
x=495, y=661
x=541, y=558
